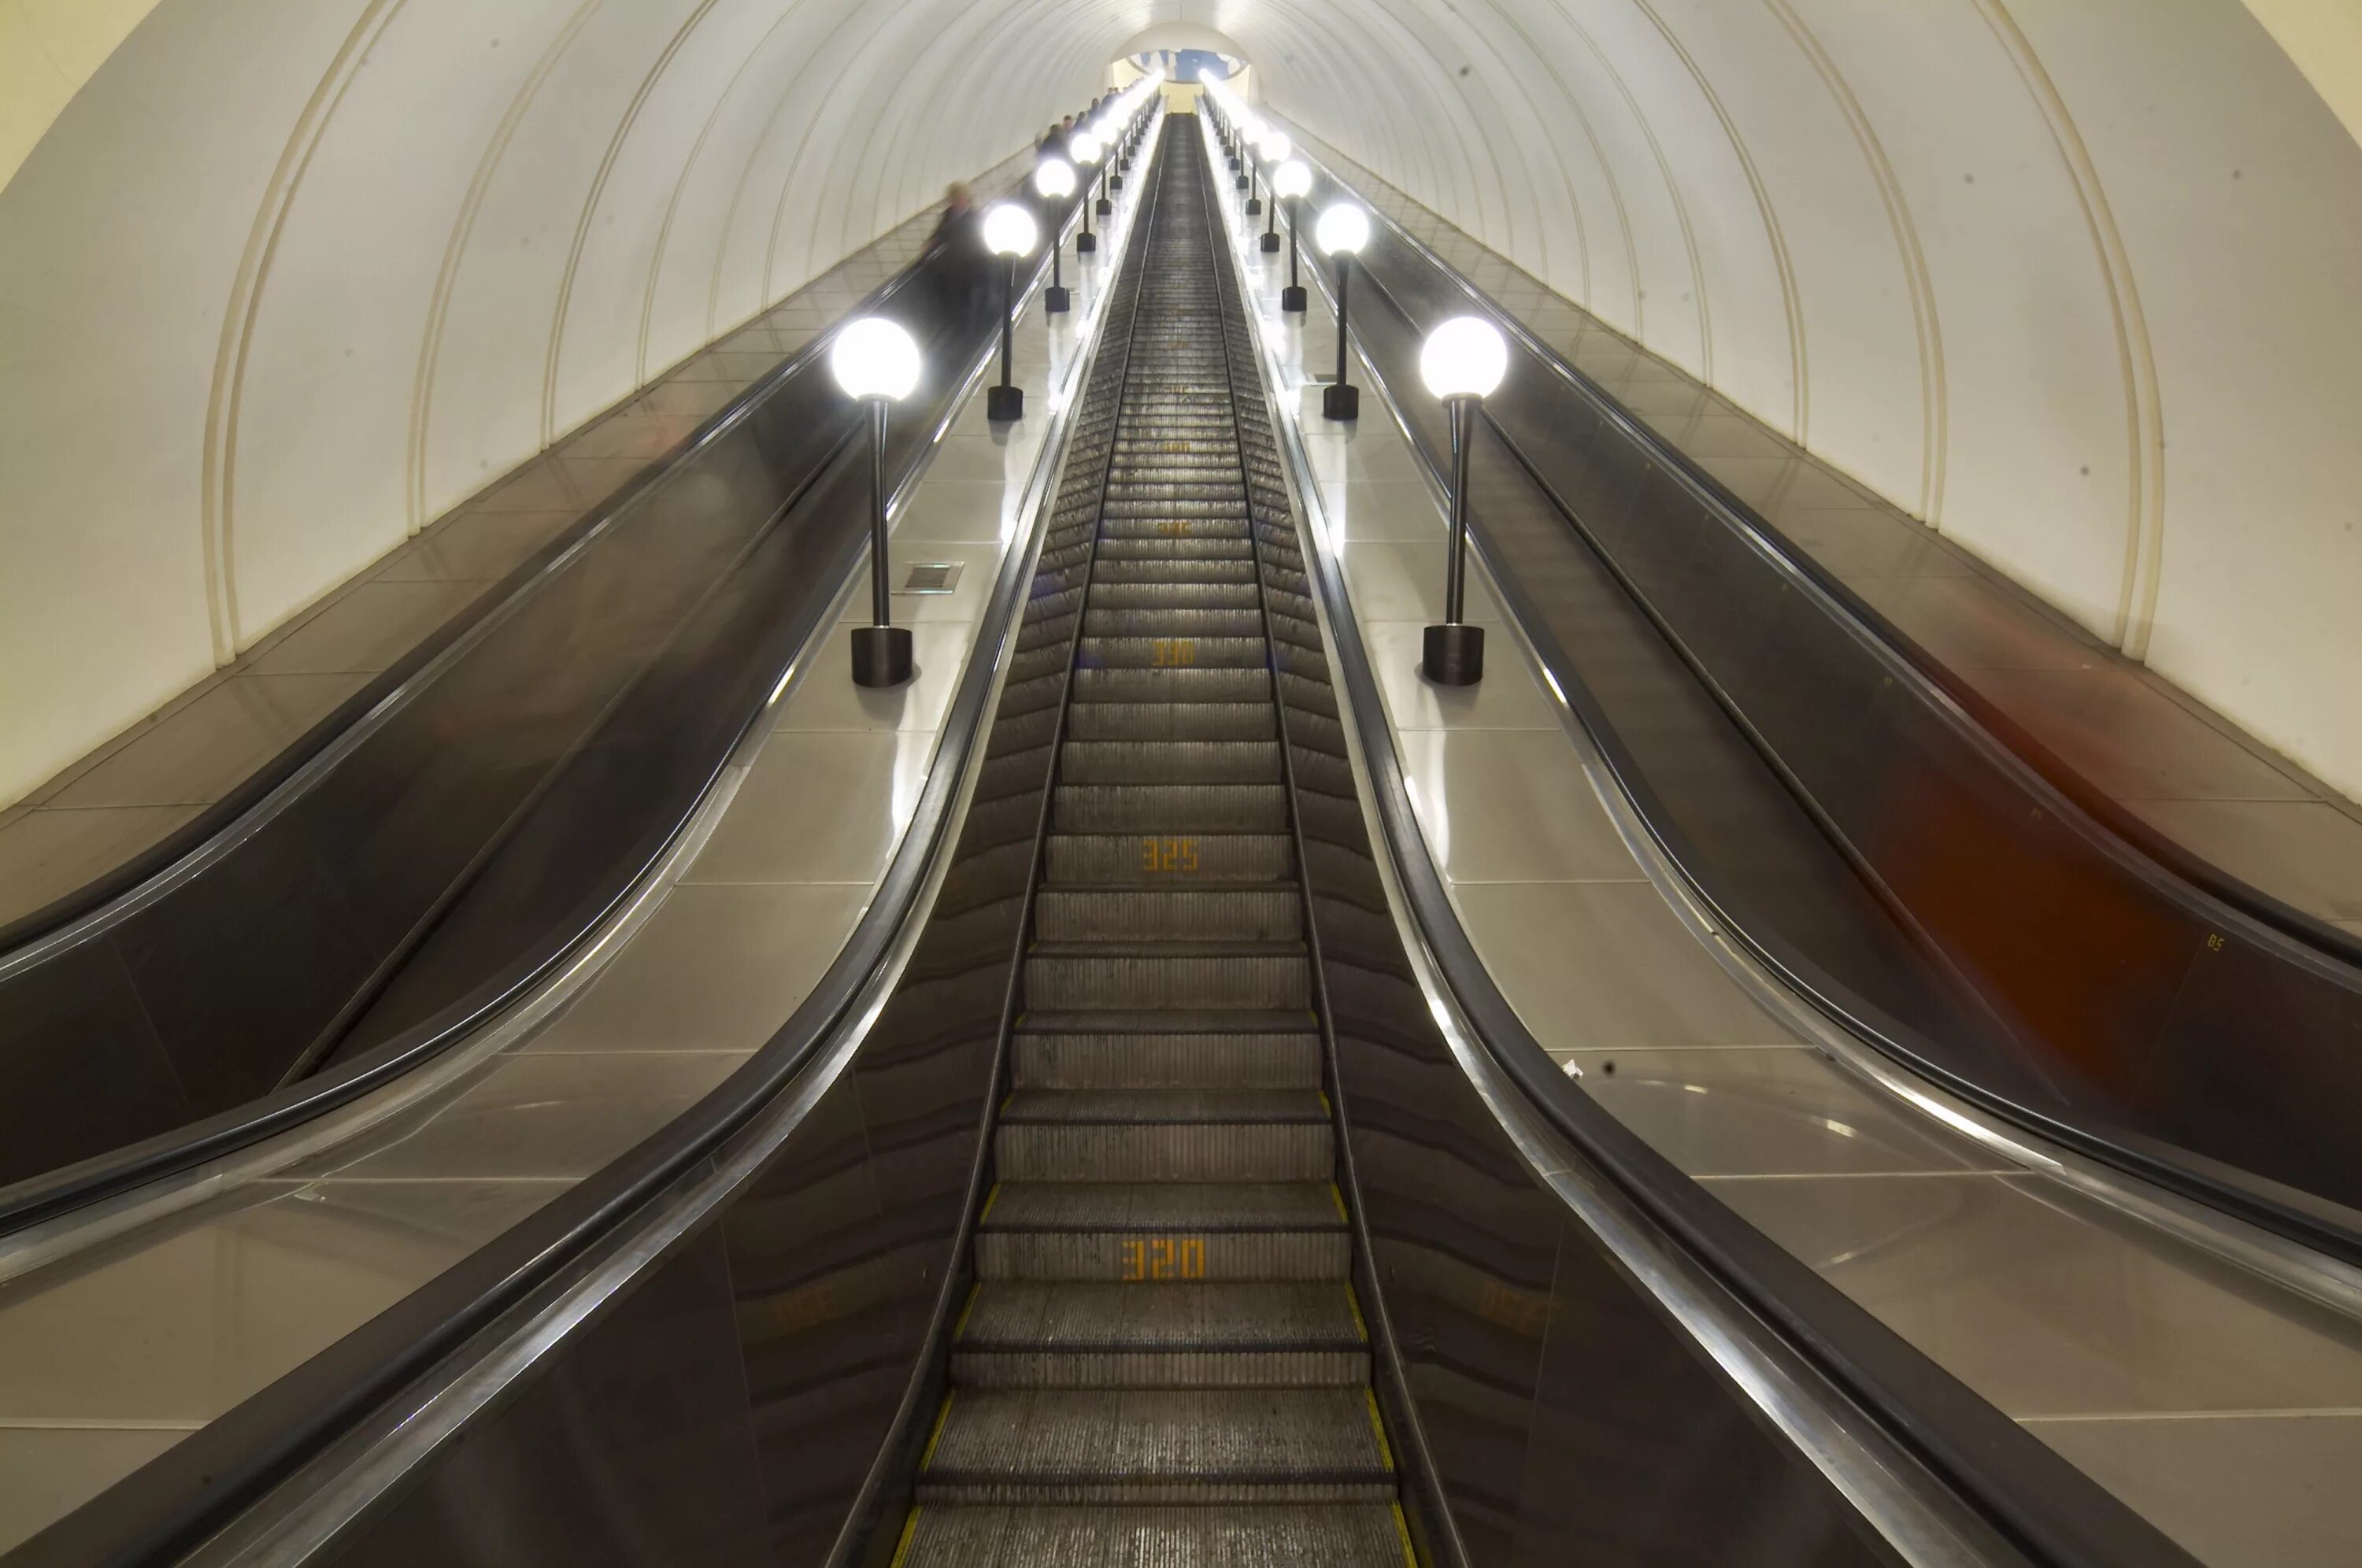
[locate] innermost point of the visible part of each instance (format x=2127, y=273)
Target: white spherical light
x=1291, y=178
x=1274, y=147
x=1342, y=230
x=1055, y=177
x=1008, y=230
x=1252, y=126
x=1465, y=357
x=872, y=356
x=1084, y=146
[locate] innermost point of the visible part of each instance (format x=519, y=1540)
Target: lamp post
x=1274, y=151
x=1104, y=134
x=1009, y=232
x=1292, y=181
x=1341, y=232
x=1461, y=361
x=876, y=362
x=1085, y=149
x=1055, y=180
x=1249, y=133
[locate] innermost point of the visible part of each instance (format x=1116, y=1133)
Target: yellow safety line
x=973, y=1292
x=1337, y=1196
x=990, y=1199
x=1385, y=1450
x=911, y=1528
x=1402, y=1530
x=936, y=1436
x=1360, y=1329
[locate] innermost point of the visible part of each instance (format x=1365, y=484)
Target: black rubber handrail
x=53, y=1193
x=196, y=1488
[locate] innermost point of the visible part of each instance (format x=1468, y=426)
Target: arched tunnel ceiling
x=285, y=279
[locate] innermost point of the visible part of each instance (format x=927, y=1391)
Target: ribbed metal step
x=1019, y=1334
x=1134, y=1135
x=1179, y=858
x=1163, y=1445
x=1196, y=685
x=1076, y=976
x=1109, y=1051
x=1170, y=808
x=1118, y=1232
x=1172, y=722
x=1358, y=1535
x=1169, y=762
x=1199, y=913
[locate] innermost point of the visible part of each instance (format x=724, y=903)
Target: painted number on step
x=1163, y=1257
x=1168, y=855
x=1174, y=653
x=1173, y=527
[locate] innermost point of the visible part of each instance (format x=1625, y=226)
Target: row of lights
x=1462, y=362
x=877, y=363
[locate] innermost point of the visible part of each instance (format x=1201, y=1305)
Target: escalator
x=1150, y=1179
x=1163, y=1318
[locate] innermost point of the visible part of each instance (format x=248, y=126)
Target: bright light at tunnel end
x=872, y=356
x=1464, y=357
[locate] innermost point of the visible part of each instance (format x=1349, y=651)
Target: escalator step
x=1109, y=1231
x=1108, y=594
x=1165, y=1445
x=1143, y=620
x=1172, y=685
x=1170, y=808
x=1181, y=859
x=1076, y=976
x=1188, y=1135
x=1189, y=914
x=1024, y=1334
x=1172, y=722
x=1354, y=1535
x=1168, y=762
x=1112, y=1059
x=1181, y=650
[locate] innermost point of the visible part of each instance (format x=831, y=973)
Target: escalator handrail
x=2061, y=788
x=52, y=1194
x=2033, y=1495
x=2311, y=1222
x=274, y=786
x=228, y=1466
x=2288, y=1215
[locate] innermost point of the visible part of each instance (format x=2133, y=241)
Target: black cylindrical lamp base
x=1085, y=243
x=1104, y=207
x=1254, y=207
x=881, y=655
x=1270, y=243
x=1292, y=298
x=1056, y=301
x=1453, y=654
x=1115, y=181
x=1002, y=404
x=1341, y=402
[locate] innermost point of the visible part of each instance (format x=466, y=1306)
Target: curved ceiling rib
x=1858, y=223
